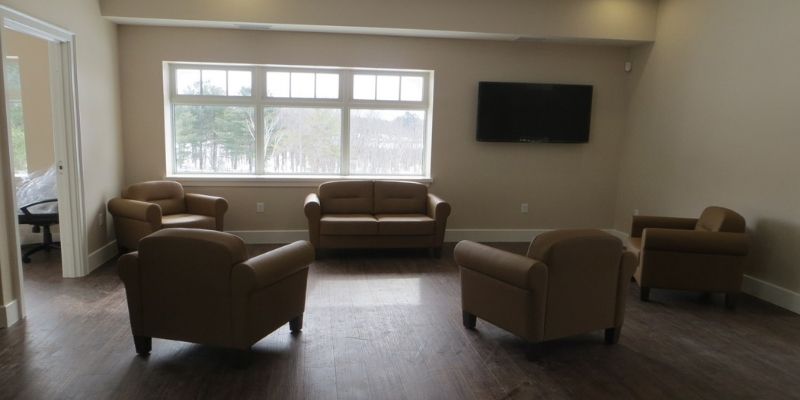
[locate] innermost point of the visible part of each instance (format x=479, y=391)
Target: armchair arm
x=134, y=209
x=438, y=209
x=640, y=222
x=312, y=207
x=679, y=240
x=269, y=268
x=202, y=204
x=514, y=269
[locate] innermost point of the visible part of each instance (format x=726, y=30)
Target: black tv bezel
x=532, y=140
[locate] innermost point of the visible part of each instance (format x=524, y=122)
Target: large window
x=297, y=121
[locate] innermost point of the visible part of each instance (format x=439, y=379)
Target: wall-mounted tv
x=533, y=112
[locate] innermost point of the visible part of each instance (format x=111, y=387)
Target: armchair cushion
x=167, y=194
x=271, y=267
x=188, y=221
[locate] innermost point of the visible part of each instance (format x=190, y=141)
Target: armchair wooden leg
x=612, y=335
x=645, y=294
x=296, y=324
x=469, y=320
x=731, y=300
x=143, y=344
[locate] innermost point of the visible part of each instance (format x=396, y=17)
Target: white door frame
x=67, y=151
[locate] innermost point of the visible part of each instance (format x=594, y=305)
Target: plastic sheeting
x=38, y=186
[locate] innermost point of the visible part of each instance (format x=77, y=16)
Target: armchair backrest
x=167, y=194
x=347, y=197
x=720, y=219
x=185, y=281
x=583, y=268
x=400, y=197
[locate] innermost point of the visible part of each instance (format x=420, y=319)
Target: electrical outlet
x=259, y=207
x=523, y=208
x=635, y=211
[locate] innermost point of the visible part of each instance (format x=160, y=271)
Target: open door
x=17, y=161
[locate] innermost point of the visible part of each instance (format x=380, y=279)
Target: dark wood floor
x=388, y=326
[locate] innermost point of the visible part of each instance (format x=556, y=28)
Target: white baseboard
x=9, y=314
x=102, y=255
x=452, y=235
x=772, y=293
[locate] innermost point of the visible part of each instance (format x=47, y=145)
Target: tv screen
x=533, y=112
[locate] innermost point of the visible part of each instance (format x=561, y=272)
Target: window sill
x=279, y=181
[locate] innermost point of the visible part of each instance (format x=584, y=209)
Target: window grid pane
x=294, y=136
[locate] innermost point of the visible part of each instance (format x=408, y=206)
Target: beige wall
x=714, y=120
x=565, y=184
x=570, y=19
x=34, y=66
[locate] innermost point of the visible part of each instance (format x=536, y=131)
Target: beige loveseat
x=376, y=214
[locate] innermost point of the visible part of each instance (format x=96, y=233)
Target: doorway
x=40, y=146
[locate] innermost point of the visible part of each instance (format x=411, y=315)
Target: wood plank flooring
x=387, y=325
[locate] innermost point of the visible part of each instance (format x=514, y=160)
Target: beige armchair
x=705, y=254
x=571, y=282
x=197, y=286
x=147, y=207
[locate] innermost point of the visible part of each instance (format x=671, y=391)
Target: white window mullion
x=345, y=93
x=258, y=91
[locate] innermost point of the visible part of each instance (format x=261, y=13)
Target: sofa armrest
x=438, y=208
x=312, y=207
x=268, y=268
x=202, y=204
x=641, y=222
x=679, y=240
x=514, y=269
x=134, y=209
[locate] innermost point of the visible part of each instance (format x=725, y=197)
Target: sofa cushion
x=167, y=194
x=346, y=197
x=348, y=224
x=399, y=197
x=405, y=224
x=188, y=221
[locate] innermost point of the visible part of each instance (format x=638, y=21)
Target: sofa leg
x=612, y=335
x=645, y=294
x=296, y=324
x=469, y=320
x=731, y=300
x=143, y=344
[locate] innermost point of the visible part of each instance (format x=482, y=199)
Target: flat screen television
x=533, y=112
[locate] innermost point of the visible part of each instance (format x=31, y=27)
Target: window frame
x=259, y=100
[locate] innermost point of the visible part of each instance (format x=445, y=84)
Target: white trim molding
x=451, y=235
x=772, y=293
x=102, y=255
x=9, y=314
